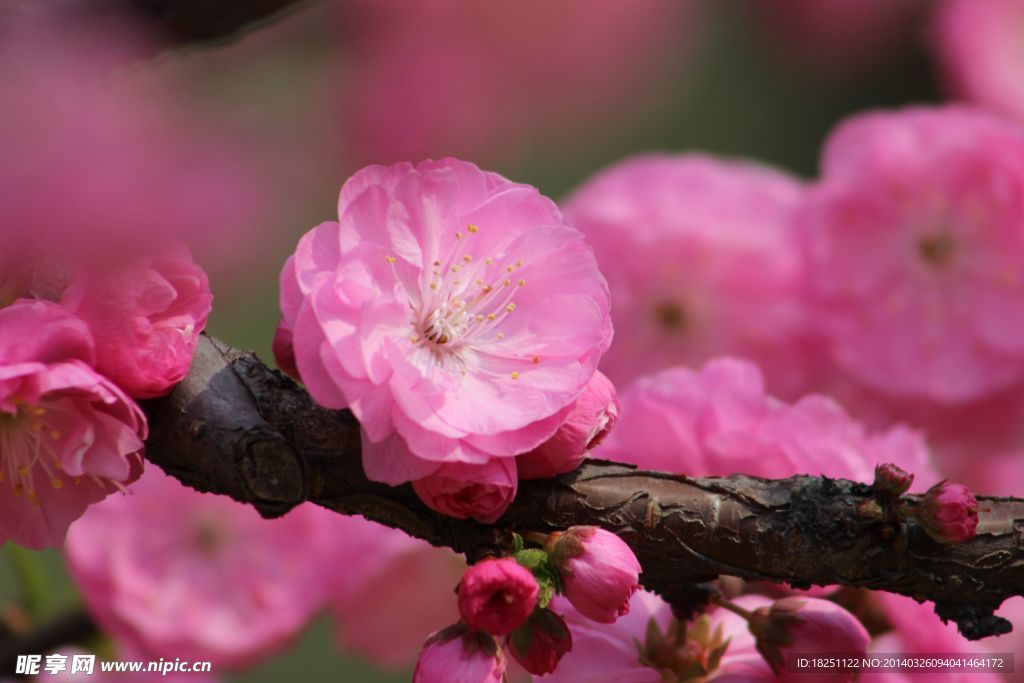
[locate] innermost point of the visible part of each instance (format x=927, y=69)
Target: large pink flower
x=719, y=421
x=620, y=652
x=454, y=312
x=917, y=254
x=703, y=260
x=176, y=573
x=980, y=47
x=68, y=436
x=145, y=316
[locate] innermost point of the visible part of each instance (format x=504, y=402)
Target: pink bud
x=538, y=645
x=458, y=655
x=497, y=596
x=599, y=571
x=284, y=351
x=801, y=626
x=589, y=420
x=461, y=490
x=891, y=481
x=949, y=512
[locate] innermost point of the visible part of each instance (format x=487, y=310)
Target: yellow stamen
x=515, y=375
x=522, y=282
x=472, y=228
x=536, y=360
x=57, y=483
x=389, y=259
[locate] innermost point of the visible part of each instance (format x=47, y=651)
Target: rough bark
x=236, y=427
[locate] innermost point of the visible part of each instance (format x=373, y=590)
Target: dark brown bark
x=238, y=428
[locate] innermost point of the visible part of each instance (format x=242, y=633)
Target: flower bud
x=599, y=572
x=538, y=645
x=949, y=512
x=497, y=596
x=589, y=420
x=800, y=625
x=459, y=655
x=891, y=481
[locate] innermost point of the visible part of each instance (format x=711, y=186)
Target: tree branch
x=236, y=427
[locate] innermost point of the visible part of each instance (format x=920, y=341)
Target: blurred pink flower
x=915, y=250
x=599, y=572
x=395, y=590
x=454, y=312
x=588, y=422
x=718, y=421
x=465, y=490
x=99, y=162
x=497, y=595
x=172, y=572
x=917, y=630
x=703, y=260
x=457, y=655
x=613, y=653
x=980, y=49
x=145, y=317
x=68, y=436
x=455, y=77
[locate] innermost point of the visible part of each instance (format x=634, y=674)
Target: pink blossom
x=718, y=421
x=599, y=571
x=457, y=655
x=916, y=256
x=394, y=589
x=588, y=422
x=497, y=595
x=146, y=318
x=461, y=490
x=891, y=481
x=454, y=312
x=621, y=653
x=454, y=76
x=176, y=573
x=539, y=644
x=703, y=260
x=68, y=436
x=979, y=50
x=916, y=630
x=807, y=626
x=949, y=512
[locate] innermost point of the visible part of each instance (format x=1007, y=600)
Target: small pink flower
x=949, y=512
x=496, y=596
x=70, y=437
x=718, y=420
x=599, y=571
x=703, y=259
x=458, y=655
x=454, y=312
x=540, y=643
x=482, y=492
x=173, y=572
x=916, y=255
x=807, y=626
x=588, y=422
x=978, y=46
x=146, y=318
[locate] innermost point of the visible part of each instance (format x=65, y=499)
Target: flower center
x=29, y=440
x=671, y=316
x=937, y=250
x=463, y=300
